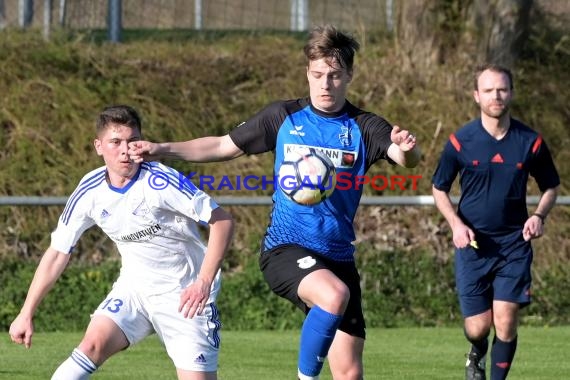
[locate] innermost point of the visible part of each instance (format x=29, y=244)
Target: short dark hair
x=120, y=115
x=492, y=67
x=329, y=43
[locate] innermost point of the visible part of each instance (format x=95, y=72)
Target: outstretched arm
x=49, y=269
x=204, y=149
x=404, y=150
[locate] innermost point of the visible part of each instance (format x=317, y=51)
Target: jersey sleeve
x=72, y=223
x=181, y=197
x=376, y=133
x=259, y=133
x=542, y=166
x=447, y=168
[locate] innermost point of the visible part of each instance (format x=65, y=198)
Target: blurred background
x=194, y=68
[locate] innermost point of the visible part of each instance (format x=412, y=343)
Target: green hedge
x=399, y=289
x=69, y=304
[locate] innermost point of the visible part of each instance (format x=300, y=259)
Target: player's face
x=494, y=93
x=112, y=145
x=327, y=85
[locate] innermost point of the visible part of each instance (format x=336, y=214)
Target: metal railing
x=114, y=15
x=418, y=200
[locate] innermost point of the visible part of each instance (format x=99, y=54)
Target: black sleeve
x=259, y=133
x=376, y=134
x=542, y=166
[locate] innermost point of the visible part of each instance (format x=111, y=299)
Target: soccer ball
x=307, y=176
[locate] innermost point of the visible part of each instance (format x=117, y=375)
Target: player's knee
x=354, y=373
x=477, y=334
x=506, y=332
x=344, y=295
x=328, y=292
x=337, y=299
x=505, y=319
x=93, y=349
x=506, y=327
x=351, y=372
x=478, y=327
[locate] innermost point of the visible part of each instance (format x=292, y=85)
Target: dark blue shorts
x=498, y=270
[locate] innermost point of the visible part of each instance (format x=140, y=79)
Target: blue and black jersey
x=494, y=174
x=352, y=138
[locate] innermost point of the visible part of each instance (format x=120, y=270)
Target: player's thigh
x=193, y=375
x=474, y=279
x=478, y=326
x=345, y=356
x=116, y=323
x=324, y=288
x=505, y=319
x=123, y=305
x=513, y=279
x=285, y=267
x=192, y=343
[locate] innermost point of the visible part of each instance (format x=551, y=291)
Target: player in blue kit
x=308, y=253
x=169, y=278
x=494, y=156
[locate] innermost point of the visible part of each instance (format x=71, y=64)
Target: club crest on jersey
x=141, y=209
x=345, y=137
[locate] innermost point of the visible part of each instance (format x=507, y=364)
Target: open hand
x=403, y=138
x=193, y=299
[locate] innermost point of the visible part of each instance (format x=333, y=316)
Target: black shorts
x=283, y=269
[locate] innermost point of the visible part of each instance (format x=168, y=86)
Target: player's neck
x=118, y=181
x=496, y=126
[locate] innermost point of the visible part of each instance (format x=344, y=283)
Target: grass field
x=394, y=354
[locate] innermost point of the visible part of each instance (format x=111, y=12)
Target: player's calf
x=77, y=367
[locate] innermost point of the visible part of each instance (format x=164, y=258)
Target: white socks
x=77, y=367
x=305, y=377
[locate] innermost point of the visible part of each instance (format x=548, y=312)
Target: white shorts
x=192, y=344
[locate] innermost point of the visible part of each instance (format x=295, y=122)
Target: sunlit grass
x=394, y=354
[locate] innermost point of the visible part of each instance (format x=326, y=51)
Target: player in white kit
x=169, y=279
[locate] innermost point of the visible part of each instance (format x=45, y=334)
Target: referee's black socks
x=478, y=346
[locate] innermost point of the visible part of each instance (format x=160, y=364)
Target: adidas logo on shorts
x=200, y=359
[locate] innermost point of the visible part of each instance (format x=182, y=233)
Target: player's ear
x=476, y=96
x=97, y=145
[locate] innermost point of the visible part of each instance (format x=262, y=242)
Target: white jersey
x=153, y=221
